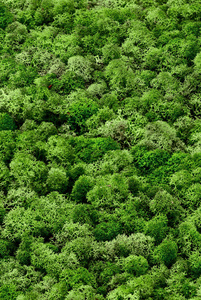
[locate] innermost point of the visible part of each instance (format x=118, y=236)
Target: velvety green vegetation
x=100, y=149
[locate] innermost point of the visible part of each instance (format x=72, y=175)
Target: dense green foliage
x=100, y=149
